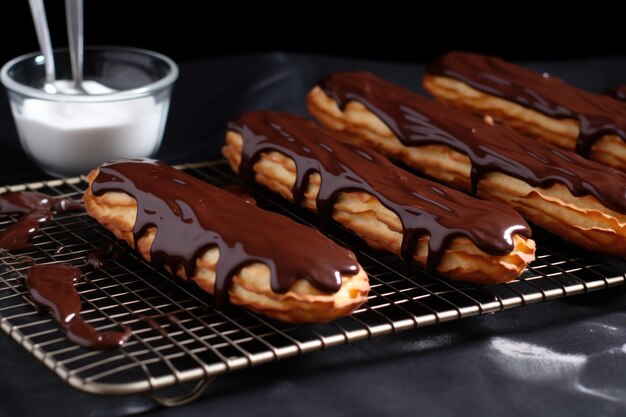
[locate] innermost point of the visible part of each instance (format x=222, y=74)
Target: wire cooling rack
x=188, y=340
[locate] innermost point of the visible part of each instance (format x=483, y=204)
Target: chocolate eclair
x=580, y=200
x=231, y=249
x=537, y=105
x=440, y=228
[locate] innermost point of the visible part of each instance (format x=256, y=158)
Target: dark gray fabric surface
x=564, y=357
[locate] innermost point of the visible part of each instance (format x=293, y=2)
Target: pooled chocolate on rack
x=51, y=287
x=37, y=209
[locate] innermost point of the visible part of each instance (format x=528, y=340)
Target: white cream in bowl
x=73, y=137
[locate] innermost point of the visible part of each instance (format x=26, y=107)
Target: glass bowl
x=68, y=133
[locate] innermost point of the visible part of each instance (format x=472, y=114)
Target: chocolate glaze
x=618, y=93
x=52, y=288
x=424, y=207
x=191, y=216
x=417, y=121
x=237, y=190
x=154, y=323
x=37, y=208
x=105, y=252
x=18, y=235
x=598, y=115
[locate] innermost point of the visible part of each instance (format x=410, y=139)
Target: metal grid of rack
x=193, y=341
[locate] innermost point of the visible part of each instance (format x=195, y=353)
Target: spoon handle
x=74, y=16
x=43, y=36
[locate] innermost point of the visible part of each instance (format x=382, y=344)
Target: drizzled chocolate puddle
x=106, y=252
x=153, y=320
x=37, y=209
x=51, y=287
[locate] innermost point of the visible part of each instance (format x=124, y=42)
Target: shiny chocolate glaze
x=618, y=93
x=598, y=115
x=237, y=190
x=424, y=207
x=416, y=121
x=37, y=209
x=52, y=288
x=153, y=321
x=108, y=251
x=191, y=216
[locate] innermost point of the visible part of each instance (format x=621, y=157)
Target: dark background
x=378, y=31
x=197, y=37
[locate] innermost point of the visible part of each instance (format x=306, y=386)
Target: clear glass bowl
x=70, y=134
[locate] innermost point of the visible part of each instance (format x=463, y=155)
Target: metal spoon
x=43, y=36
x=74, y=16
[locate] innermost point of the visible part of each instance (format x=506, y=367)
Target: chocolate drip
x=52, y=288
x=191, y=216
x=37, y=208
x=418, y=121
x=424, y=208
x=105, y=252
x=153, y=321
x=598, y=115
x=618, y=93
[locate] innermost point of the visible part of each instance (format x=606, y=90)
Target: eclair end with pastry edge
x=247, y=275
x=538, y=105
